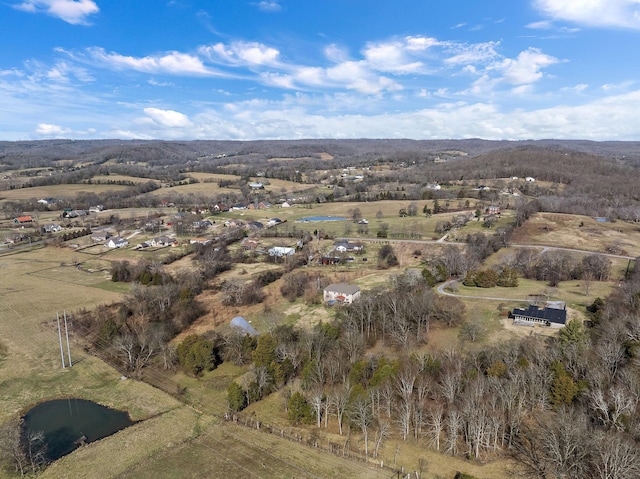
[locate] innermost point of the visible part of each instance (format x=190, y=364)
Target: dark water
x=65, y=421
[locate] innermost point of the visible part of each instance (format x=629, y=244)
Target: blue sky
x=287, y=69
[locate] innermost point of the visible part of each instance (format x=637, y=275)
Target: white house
x=342, y=292
x=51, y=228
x=345, y=246
x=530, y=179
x=116, y=242
x=280, y=251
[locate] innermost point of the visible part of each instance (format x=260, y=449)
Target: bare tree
x=317, y=399
x=435, y=423
x=340, y=398
x=361, y=417
x=11, y=447
x=614, y=457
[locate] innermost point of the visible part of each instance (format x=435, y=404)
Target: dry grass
x=57, y=191
x=554, y=229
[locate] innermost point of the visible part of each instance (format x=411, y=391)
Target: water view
x=69, y=423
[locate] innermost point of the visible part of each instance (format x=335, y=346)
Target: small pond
x=321, y=218
x=66, y=421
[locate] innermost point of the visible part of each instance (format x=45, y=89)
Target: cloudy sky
x=285, y=69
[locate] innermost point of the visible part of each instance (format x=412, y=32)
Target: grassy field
x=173, y=440
x=580, y=232
x=56, y=191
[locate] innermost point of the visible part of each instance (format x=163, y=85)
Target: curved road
x=441, y=288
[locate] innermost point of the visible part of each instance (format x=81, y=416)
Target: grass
x=580, y=232
x=57, y=191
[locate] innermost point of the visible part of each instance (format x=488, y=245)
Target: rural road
x=441, y=288
x=460, y=243
x=446, y=284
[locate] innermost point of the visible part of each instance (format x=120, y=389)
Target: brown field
x=554, y=229
x=56, y=191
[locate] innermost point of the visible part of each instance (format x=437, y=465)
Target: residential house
x=273, y=221
x=51, y=228
x=232, y=223
x=116, y=242
x=161, y=241
x=342, y=292
x=280, y=251
x=99, y=236
x=220, y=208
x=530, y=179
x=47, y=201
x=551, y=315
x=492, y=210
x=256, y=186
x=255, y=225
x=250, y=244
x=344, y=246
x=330, y=260
x=67, y=213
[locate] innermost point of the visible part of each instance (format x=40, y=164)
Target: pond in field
x=68, y=423
x=322, y=218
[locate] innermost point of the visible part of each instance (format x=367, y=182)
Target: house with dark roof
x=342, y=292
x=549, y=316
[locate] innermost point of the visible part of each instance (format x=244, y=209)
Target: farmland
x=431, y=233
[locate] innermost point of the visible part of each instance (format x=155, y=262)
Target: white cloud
x=241, y=53
x=269, y=6
x=71, y=11
x=46, y=129
x=390, y=57
x=168, y=118
x=600, y=13
x=335, y=53
x=63, y=71
x=526, y=68
x=474, y=53
x=173, y=63
x=542, y=25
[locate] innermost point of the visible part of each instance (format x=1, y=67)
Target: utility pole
x=66, y=331
x=60, y=339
